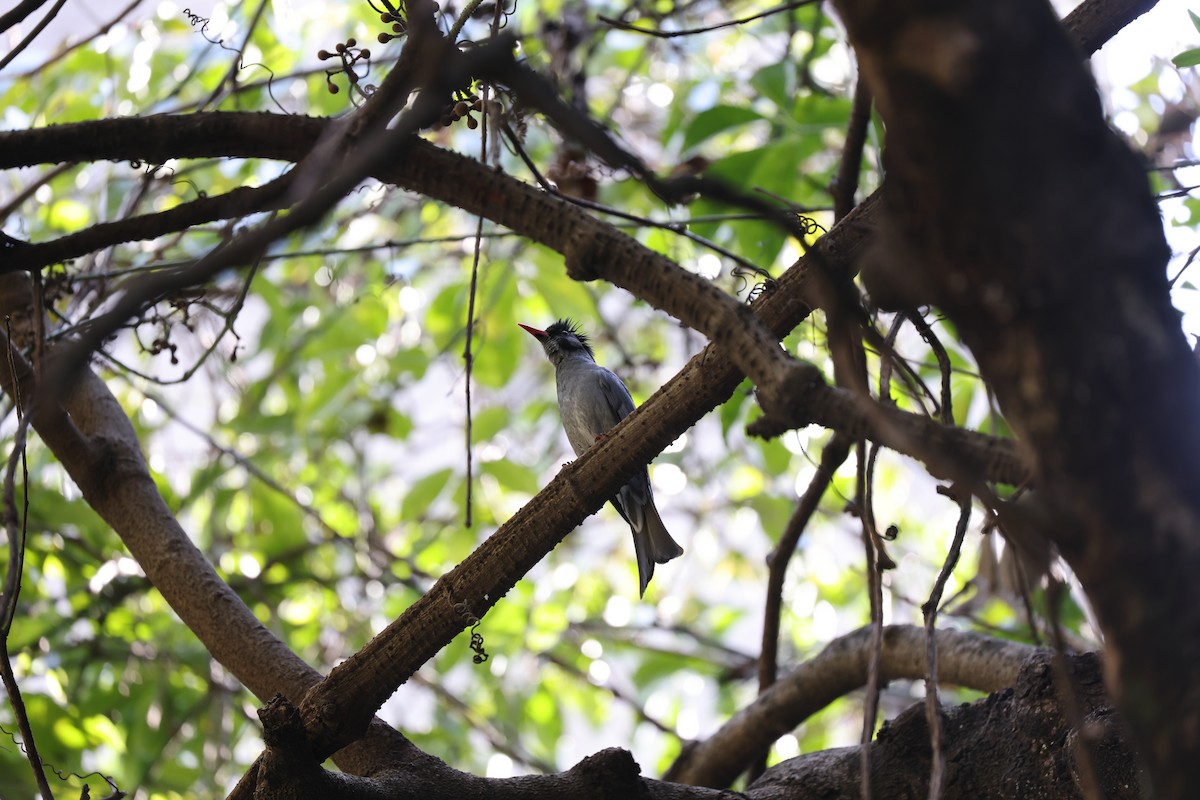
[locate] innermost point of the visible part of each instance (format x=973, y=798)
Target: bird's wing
x=616, y=396
x=635, y=494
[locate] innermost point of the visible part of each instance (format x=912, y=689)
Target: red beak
x=539, y=335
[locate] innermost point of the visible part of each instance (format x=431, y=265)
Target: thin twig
x=875, y=589
x=236, y=65
x=835, y=452
x=16, y=530
x=461, y=21
x=679, y=227
x=30, y=189
x=636, y=706
x=62, y=53
x=943, y=360
x=33, y=34
x=929, y=610
x=489, y=726
x=239, y=202
x=845, y=184
x=468, y=354
x=659, y=34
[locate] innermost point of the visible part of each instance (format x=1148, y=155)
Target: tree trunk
x=1012, y=206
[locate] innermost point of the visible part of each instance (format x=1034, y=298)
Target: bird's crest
x=566, y=326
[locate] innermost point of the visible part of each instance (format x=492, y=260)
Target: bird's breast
x=583, y=407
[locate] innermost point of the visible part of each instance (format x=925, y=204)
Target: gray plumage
x=591, y=401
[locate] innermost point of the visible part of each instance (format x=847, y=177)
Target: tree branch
x=965, y=659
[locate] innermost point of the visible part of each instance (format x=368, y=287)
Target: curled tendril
x=481, y=655
x=201, y=25
x=66, y=775
x=152, y=170
x=808, y=225
x=765, y=287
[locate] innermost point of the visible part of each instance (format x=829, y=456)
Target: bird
x=591, y=401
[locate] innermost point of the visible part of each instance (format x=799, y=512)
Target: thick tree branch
x=1030, y=747
x=965, y=659
x=1094, y=22
x=19, y=12
x=1018, y=742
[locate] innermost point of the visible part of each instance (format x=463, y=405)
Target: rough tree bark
x=1012, y=206
x=1016, y=743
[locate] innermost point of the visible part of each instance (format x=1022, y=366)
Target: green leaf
x=489, y=422
x=1195, y=20
x=422, y=494
x=1188, y=58
x=731, y=409
x=513, y=476
x=776, y=457
x=710, y=122
x=775, y=82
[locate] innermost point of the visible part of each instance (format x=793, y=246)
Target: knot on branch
x=585, y=257
x=282, y=725
x=287, y=763
x=611, y=773
x=768, y=427
x=786, y=401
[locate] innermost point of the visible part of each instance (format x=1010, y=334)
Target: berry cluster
x=399, y=27
x=350, y=54
x=453, y=112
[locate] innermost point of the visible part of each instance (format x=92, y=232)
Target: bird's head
x=561, y=341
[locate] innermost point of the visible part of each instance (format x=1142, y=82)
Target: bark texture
x=1011, y=205
x=1016, y=743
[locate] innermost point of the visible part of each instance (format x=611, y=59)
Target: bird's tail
x=652, y=543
